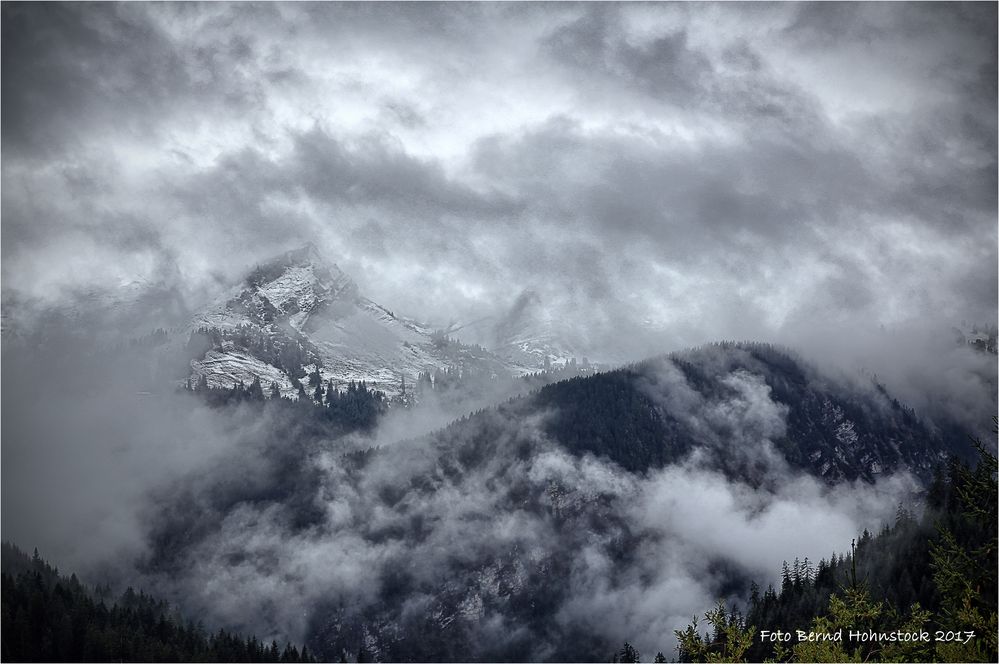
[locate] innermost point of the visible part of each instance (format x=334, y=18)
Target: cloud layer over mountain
x=659, y=174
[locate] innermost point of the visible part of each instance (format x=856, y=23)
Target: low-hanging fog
x=658, y=176
x=225, y=514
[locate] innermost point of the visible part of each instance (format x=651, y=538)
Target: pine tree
x=966, y=573
x=255, y=392
x=628, y=654
x=730, y=641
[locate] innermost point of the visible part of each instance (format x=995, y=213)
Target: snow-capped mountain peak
x=303, y=302
x=298, y=282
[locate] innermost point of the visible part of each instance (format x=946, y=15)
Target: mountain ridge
x=652, y=413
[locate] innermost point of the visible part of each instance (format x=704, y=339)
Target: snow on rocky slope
x=302, y=298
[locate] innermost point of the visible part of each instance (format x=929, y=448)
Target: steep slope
x=739, y=406
x=738, y=402
x=300, y=312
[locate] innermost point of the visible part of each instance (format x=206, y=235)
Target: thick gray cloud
x=658, y=174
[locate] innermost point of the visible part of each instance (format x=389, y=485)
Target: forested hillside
x=653, y=413
x=934, y=574
x=48, y=617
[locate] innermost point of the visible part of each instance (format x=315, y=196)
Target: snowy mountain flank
x=299, y=313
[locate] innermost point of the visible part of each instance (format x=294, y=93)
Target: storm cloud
x=658, y=173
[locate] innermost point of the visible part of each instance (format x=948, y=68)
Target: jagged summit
x=295, y=285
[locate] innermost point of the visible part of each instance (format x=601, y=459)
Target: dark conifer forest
x=48, y=617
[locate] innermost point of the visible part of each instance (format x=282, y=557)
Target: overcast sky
x=712, y=171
